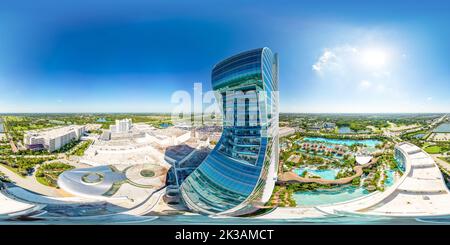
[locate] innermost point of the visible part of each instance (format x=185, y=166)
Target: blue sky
x=131, y=56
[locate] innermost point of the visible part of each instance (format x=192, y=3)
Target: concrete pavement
x=30, y=183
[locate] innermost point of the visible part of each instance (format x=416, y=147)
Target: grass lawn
x=14, y=170
x=47, y=174
x=434, y=149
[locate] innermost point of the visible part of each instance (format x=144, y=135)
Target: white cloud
x=324, y=60
x=381, y=88
x=359, y=67
x=365, y=84
x=334, y=59
x=430, y=98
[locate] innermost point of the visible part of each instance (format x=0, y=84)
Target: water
x=419, y=136
x=329, y=174
x=164, y=125
x=348, y=142
x=336, y=195
x=328, y=196
x=345, y=130
x=101, y=119
x=348, y=130
x=389, y=178
x=443, y=128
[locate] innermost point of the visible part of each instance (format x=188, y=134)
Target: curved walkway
x=443, y=164
x=10, y=207
x=293, y=177
x=30, y=183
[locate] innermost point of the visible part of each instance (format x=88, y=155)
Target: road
x=30, y=183
x=441, y=162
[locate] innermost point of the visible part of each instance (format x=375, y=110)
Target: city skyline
x=345, y=57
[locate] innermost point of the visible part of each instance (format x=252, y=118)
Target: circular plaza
x=146, y=175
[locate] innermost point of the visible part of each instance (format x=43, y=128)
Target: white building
x=286, y=131
x=54, y=138
x=121, y=126
x=168, y=136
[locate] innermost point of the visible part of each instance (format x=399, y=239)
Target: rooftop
x=54, y=132
x=11, y=207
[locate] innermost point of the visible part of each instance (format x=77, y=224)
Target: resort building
x=168, y=136
x=52, y=139
x=329, y=126
x=239, y=174
x=286, y=131
x=316, y=127
x=106, y=135
x=121, y=126
x=143, y=143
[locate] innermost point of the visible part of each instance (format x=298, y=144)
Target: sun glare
x=374, y=58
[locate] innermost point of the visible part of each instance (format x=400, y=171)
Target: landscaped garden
x=332, y=158
x=4, y=178
x=81, y=148
x=21, y=165
x=433, y=149
x=437, y=148
x=47, y=174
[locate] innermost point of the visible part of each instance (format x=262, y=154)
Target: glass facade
x=400, y=158
x=239, y=175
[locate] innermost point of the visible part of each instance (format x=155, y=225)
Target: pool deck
x=291, y=177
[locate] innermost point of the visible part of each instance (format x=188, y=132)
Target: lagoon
x=443, y=128
x=348, y=142
x=345, y=130
x=348, y=130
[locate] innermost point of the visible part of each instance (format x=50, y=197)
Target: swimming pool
x=336, y=195
x=389, y=177
x=329, y=174
x=322, y=197
x=348, y=142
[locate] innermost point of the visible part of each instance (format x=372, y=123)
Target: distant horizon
x=367, y=113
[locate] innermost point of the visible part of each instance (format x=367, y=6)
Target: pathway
x=441, y=163
x=30, y=183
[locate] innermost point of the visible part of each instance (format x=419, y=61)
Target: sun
x=374, y=58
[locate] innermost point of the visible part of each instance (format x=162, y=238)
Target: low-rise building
x=315, y=127
x=52, y=139
x=329, y=125
x=286, y=131
x=106, y=135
